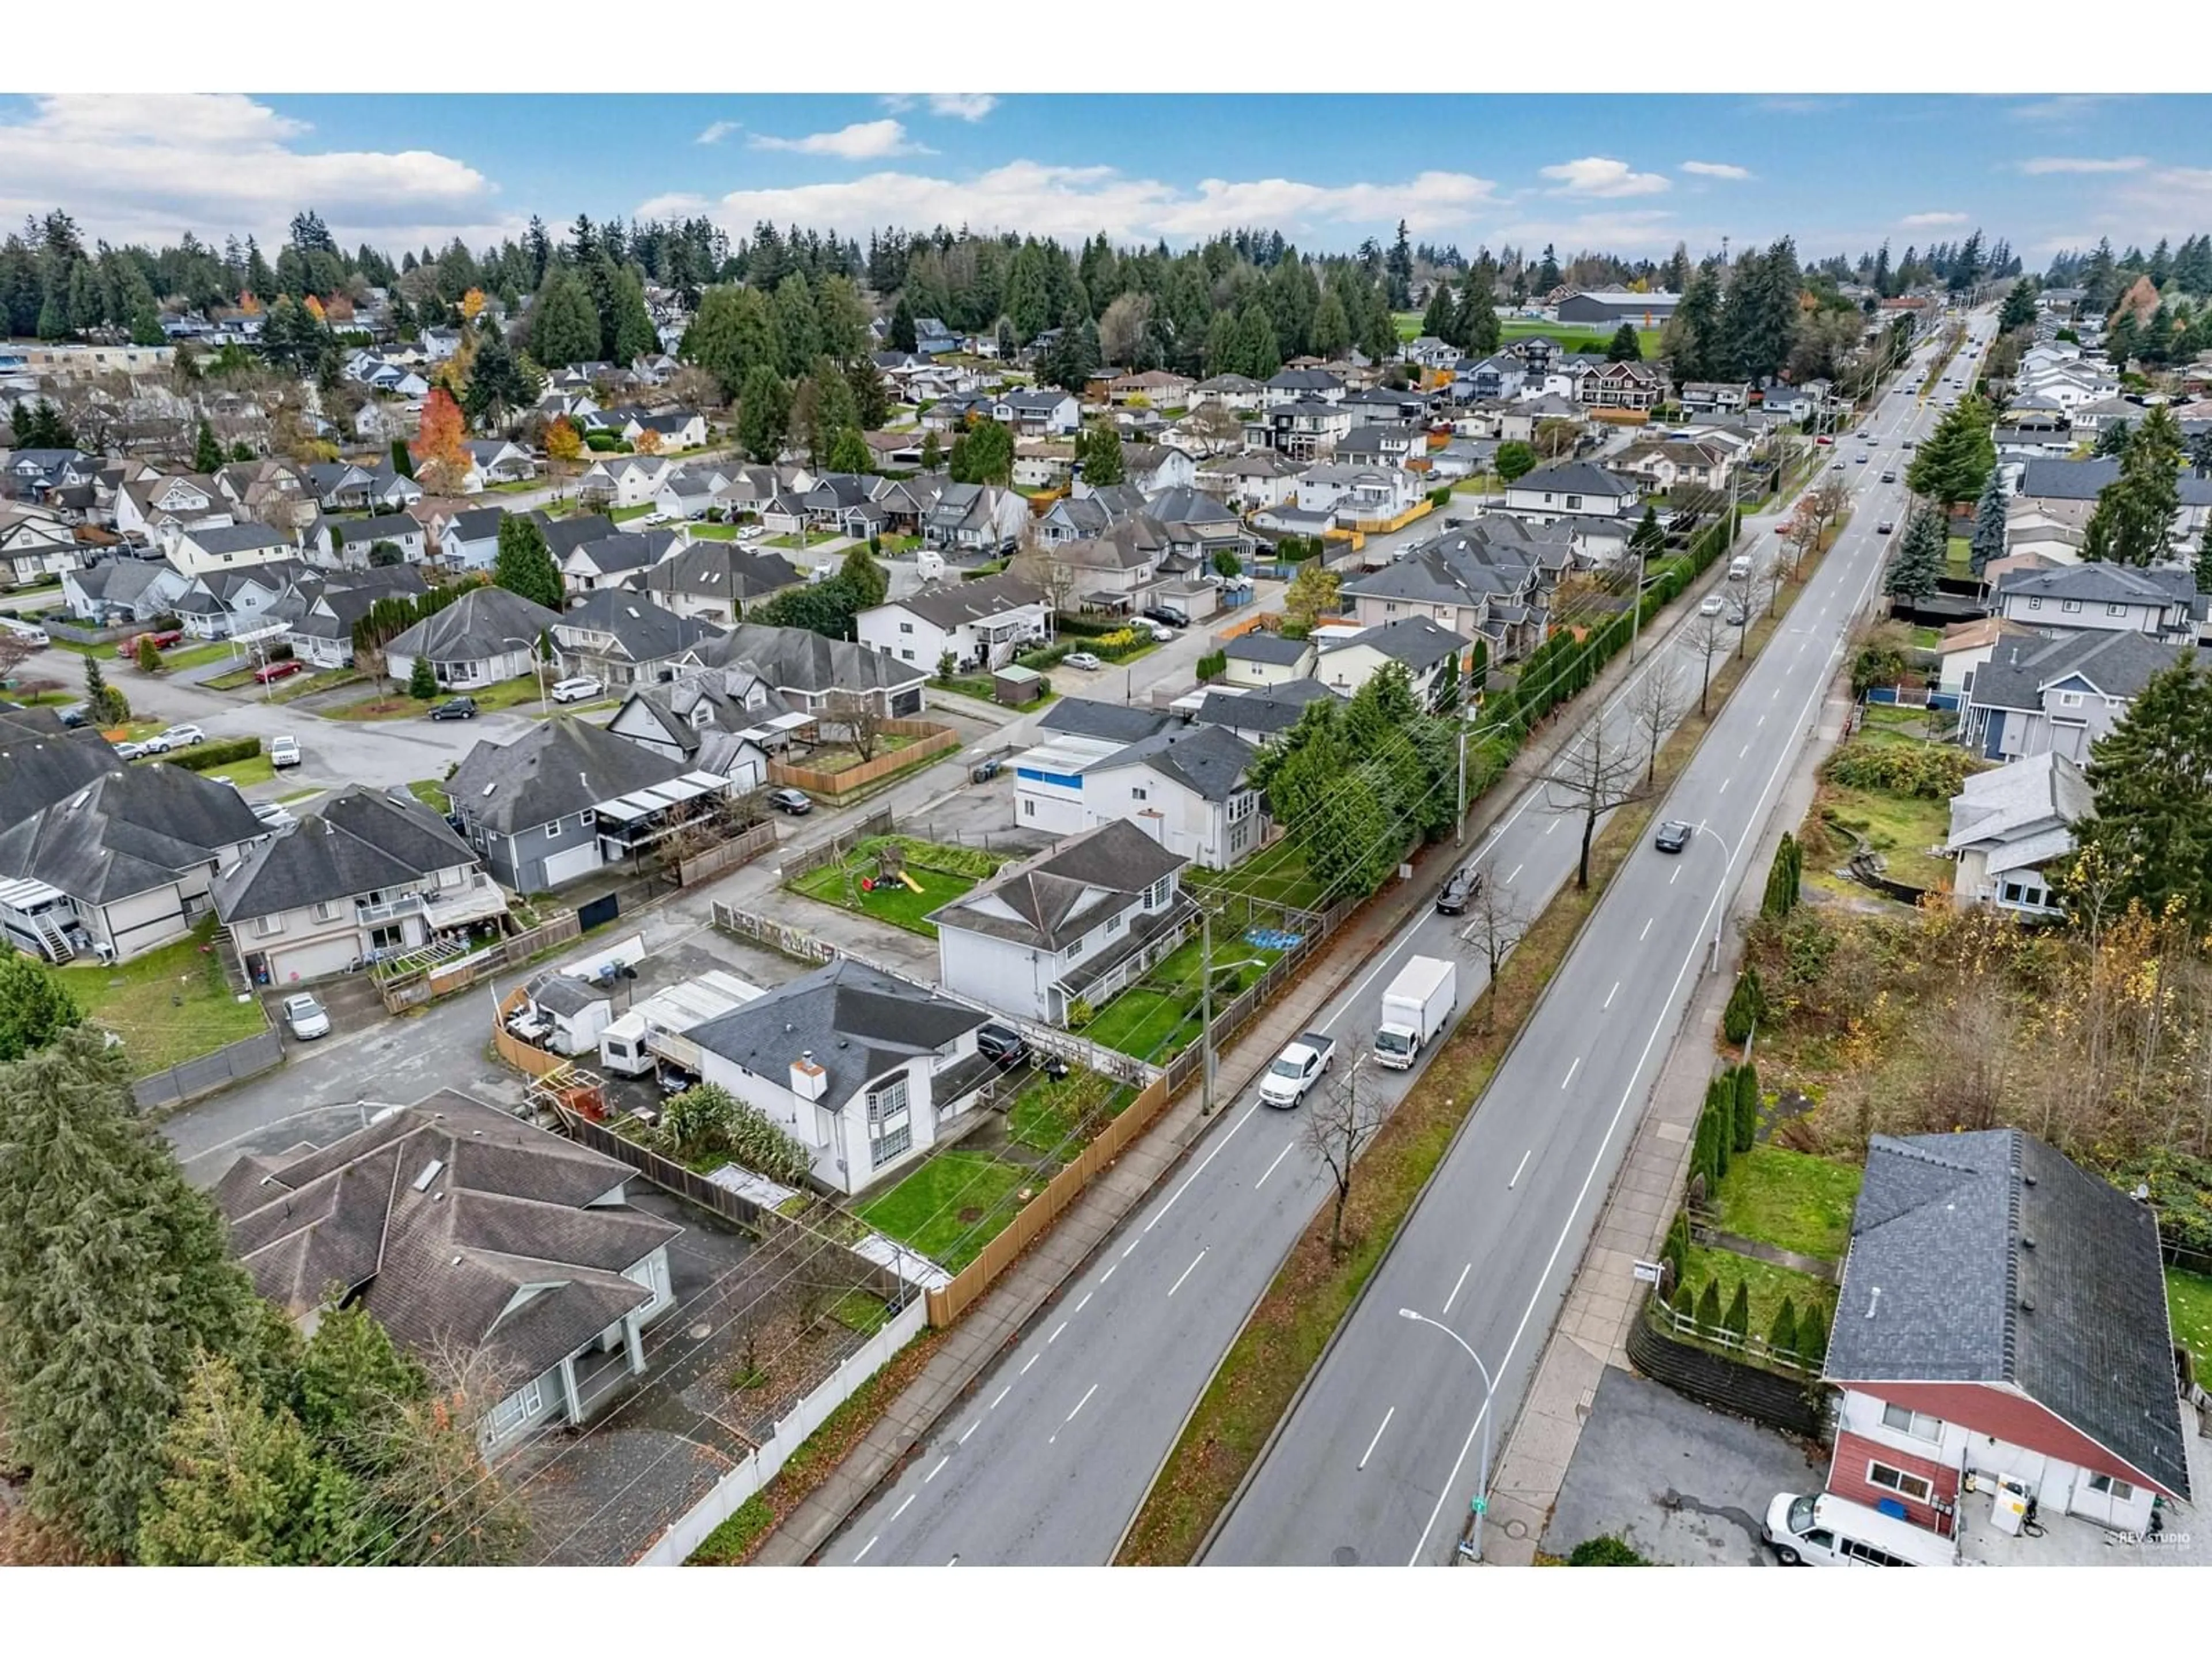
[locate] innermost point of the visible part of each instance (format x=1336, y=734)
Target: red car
x=127, y=648
x=270, y=673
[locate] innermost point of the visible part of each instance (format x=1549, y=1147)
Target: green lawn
x=307, y=793
x=952, y=1206
x=891, y=901
x=1157, y=1017
x=1793, y=1200
x=198, y=656
x=624, y=514
x=2189, y=1299
x=1048, y=1117
x=1767, y=1283
x=1959, y=556
x=1901, y=828
x=1573, y=336
x=714, y=533
x=254, y=768
x=1277, y=873
x=507, y=694
x=166, y=1006
x=237, y=680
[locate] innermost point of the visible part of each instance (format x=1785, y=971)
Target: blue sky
x=1628, y=173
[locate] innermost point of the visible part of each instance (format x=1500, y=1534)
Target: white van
x=929, y=564
x=1823, y=1530
x=1740, y=567
x=23, y=630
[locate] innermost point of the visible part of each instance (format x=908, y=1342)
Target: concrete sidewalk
x=1001, y=1313
x=1593, y=1328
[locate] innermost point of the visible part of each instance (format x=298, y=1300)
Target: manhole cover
x=701, y=1332
x=1516, y=1528
x=1346, y=1556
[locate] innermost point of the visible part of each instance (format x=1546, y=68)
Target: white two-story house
x=982, y=623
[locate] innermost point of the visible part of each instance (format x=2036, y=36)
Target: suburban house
x=688, y=493
x=1622, y=385
x=1575, y=487
x=320, y=608
x=351, y=541
x=1089, y=512
x=470, y=540
x=1429, y=652
x=367, y=874
x=984, y=625
x=1663, y=464
x=1492, y=580
x=2002, y=1319
x=718, y=581
x=723, y=720
x=1044, y=411
x=1185, y=786
x=227, y=547
x=1258, y=660
x=1715, y=397
x=620, y=560
x=808, y=670
x=1197, y=525
x=2162, y=602
x=1965, y=646
x=487, y=635
x=461, y=1228
x=865, y=1070
x=35, y=544
x=1155, y=469
x=975, y=521
x=2009, y=825
x=566, y=798
x=1161, y=387
x=623, y=480
x=496, y=461
x=1231, y=390
x=1302, y=429
x=1519, y=421
x=1292, y=386
x=222, y=603
x=2049, y=481
x=159, y=509
x=2059, y=694
x=622, y=639
x=1261, y=715
x=102, y=857
x=1074, y=924
x=127, y=590
x=1356, y=496
x=1249, y=482
x=675, y=429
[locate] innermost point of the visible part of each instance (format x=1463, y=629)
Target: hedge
x=1928, y=771
x=221, y=752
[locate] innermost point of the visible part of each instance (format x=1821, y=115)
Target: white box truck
x=1418, y=1005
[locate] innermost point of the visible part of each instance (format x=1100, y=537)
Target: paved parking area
x=1684, y=1486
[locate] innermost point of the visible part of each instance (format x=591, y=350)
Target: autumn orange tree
x=440, y=462
x=648, y=442
x=563, y=443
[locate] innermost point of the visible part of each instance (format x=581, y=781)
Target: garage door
x=906, y=703
x=571, y=862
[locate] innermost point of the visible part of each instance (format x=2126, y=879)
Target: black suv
x=1459, y=892
x=455, y=709
x=1000, y=1043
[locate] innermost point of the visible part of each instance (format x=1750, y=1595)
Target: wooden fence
x=930, y=740
x=523, y=1056
x=739, y=849
x=781, y=937
x=427, y=984
x=950, y=1302
x=833, y=851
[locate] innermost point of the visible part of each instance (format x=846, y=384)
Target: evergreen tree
x=113, y=1279
x=1811, y=1336
x=901, y=334
x=1922, y=553
x=108, y=706
x=2019, y=308
x=207, y=454
x=1331, y=329
x=1955, y=462
x=734, y=332
x=2111, y=440
x=1626, y=347
x=2133, y=520
x=2204, y=561
x=1736, y=1321
x=524, y=564
x=763, y=413
x=1480, y=332
x=1988, y=541
x=1780, y=895
x=1745, y=1081
x=498, y=385
x=1709, y=1305
x=1440, y=317
x=849, y=453
x=1547, y=272
x=2151, y=777
x=1746, y=1003
x=1100, y=452
x=36, y=1008
x=422, y=680
x=1782, y=1335
x=564, y=324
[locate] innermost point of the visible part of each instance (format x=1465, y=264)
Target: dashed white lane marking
x=1279, y=1157
x=1070, y=1418
x=1555, y=825
x=972, y=1427
x=1188, y=1272
x=1456, y=1283
x=1056, y=1330
x=1133, y=1245
x=1646, y=933
x=902, y=1508
x=1377, y=1440
x=1086, y=1302
x=1109, y=1273
x=938, y=1470
x=1572, y=1066
x=1002, y=1394
x=1517, y=869
x=864, y=1548
x=1519, y=1169
x=1032, y=1360
x=1741, y=752
x=1611, y=994
x=1723, y=790
x=1676, y=877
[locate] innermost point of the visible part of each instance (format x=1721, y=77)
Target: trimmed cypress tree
x=1709, y=1304
x=1811, y=1336
x=1783, y=1337
x=1781, y=879
x=1747, y=1106
x=1746, y=1003
x=1737, y=1320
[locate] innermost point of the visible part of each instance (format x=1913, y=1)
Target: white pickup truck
x=1297, y=1069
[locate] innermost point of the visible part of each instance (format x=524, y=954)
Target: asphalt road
x=1379, y=1461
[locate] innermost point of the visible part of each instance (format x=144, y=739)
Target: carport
x=630, y=824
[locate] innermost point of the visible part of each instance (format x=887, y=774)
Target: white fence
x=674, y=1547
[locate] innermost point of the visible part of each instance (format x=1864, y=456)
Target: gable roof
x=2022, y=813
x=799, y=660
x=1206, y=760
x=385, y=526
x=721, y=570
x=2080, y=481
x=951, y=604
x=216, y=539
x=483, y=622
x=1574, y=479
x=564, y=535
x=1060, y=894
x=2117, y=662
x=1115, y=722
x=1416, y=642
x=1988, y=1257
x=1269, y=709
x=856, y=1022
x=645, y=632
x=1265, y=647
x=558, y=768
x=130, y=829
x=506, y=1246
x=358, y=840
x=2101, y=583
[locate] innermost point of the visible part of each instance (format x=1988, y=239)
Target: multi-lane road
x=1055, y=1447
x=1378, y=1463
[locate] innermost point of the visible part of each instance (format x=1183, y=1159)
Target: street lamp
x=537, y=662
x=1720, y=906
x=1481, y=1500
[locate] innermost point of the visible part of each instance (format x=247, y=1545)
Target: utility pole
x=1459, y=823
x=1205, y=1012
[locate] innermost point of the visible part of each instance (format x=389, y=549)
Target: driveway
x=1685, y=1487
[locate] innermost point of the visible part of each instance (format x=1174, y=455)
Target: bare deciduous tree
x=1122, y=328
x=860, y=719
x=15, y=650
x=1496, y=923
x=1339, y=1124
x=1593, y=775
x=1042, y=567
x=1656, y=704
x=1706, y=637
x=1768, y=579
x=1215, y=425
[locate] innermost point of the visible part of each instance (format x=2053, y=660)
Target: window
x=517, y=1408
x=1899, y=1481
x=1076, y=948
x=1114, y=923
x=1157, y=894
x=553, y=830
x=1138, y=791
x=1574, y=503
x=326, y=910
x=2116, y=610
x=2035, y=602
x=1868, y=1555
x=2118, y=1490
x=906, y=627
x=2069, y=699
x=890, y=1130
x=2070, y=607
x=1029, y=808
x=263, y=926
x=1903, y=1418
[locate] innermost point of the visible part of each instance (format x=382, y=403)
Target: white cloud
x=1626, y=231
x=1716, y=170
x=2085, y=164
x=962, y=105
x=1920, y=220
x=2066, y=106
x=863, y=140
x=716, y=131
x=1079, y=201
x=149, y=169
x=1601, y=176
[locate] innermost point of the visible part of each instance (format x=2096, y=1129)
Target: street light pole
x=1481, y=1500
x=1720, y=902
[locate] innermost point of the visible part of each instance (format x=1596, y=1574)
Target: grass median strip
x=1284, y=1339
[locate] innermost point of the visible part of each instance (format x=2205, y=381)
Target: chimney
x=808, y=1081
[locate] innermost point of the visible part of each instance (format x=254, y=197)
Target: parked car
x=796, y=802
x=272, y=814
x=454, y=709
x=270, y=673
x=74, y=715
x=306, y=1018
x=1823, y=440
x=127, y=648
x=1000, y=1043
x=1161, y=633
x=1087, y=660
x=1673, y=835
x=1460, y=892
x=1167, y=616
x=984, y=770
x=177, y=737
x=577, y=689
x=284, y=751
x=131, y=751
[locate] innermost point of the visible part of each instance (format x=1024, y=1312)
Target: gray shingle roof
x=951, y=604
x=359, y=841
x=644, y=631
x=1273, y=709
x=384, y=527
x=2080, y=481
x=1574, y=479
x=1060, y=894
x=857, y=1023
x=128, y=831
x=2101, y=583
x=1205, y=759
x=557, y=769
x=721, y=570
x=1113, y=722
x=235, y=539
x=440, y=1263
x=799, y=660
x=2119, y=663
x=564, y=535
x=484, y=621
x=1987, y=1257
x=1416, y=642
x=1267, y=648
